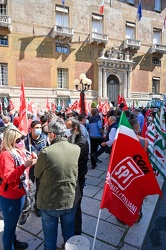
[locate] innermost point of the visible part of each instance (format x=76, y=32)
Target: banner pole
x=97, y=225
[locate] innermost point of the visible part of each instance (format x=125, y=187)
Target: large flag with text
x=23, y=124
x=130, y=176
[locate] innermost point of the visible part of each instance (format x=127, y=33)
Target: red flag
x=23, y=124
x=53, y=107
x=145, y=125
x=124, y=102
x=0, y=105
x=102, y=7
x=31, y=107
x=164, y=24
x=48, y=106
x=130, y=176
x=105, y=107
x=10, y=106
x=120, y=99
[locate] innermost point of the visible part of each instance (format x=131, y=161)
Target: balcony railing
x=99, y=37
x=63, y=31
x=158, y=48
x=5, y=21
x=132, y=44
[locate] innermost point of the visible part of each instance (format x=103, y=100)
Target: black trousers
x=78, y=215
x=95, y=143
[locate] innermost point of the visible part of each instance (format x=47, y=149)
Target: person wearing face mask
x=34, y=142
x=13, y=187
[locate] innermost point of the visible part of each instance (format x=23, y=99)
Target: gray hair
x=57, y=126
x=74, y=123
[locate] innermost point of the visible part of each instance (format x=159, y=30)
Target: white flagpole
x=97, y=225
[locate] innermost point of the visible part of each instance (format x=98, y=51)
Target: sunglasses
x=20, y=139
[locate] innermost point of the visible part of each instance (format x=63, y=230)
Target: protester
x=6, y=120
x=44, y=124
x=78, y=139
x=57, y=168
x=110, y=136
x=95, y=130
x=34, y=142
x=82, y=121
x=12, y=185
x=140, y=118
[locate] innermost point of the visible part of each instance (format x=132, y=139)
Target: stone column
x=125, y=91
x=104, y=84
x=100, y=82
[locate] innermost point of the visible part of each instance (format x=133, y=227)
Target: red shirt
x=10, y=175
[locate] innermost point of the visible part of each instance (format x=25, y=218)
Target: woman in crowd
x=13, y=163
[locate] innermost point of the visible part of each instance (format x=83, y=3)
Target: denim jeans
x=11, y=210
x=50, y=226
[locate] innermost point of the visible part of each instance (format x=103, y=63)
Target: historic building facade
x=48, y=45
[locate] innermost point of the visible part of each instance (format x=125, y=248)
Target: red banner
x=130, y=177
x=23, y=124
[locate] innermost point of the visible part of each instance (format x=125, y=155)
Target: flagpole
x=97, y=225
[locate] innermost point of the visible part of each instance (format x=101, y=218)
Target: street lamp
x=82, y=85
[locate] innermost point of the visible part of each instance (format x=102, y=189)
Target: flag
x=119, y=99
x=5, y=102
x=48, y=106
x=63, y=2
x=145, y=125
x=32, y=107
x=156, y=147
x=11, y=106
x=164, y=24
x=139, y=11
x=130, y=176
x=23, y=123
x=105, y=107
x=53, y=107
x=124, y=102
x=102, y=7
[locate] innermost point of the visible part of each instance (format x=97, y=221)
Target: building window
x=3, y=9
x=157, y=36
x=63, y=78
x=131, y=2
x=156, y=61
x=4, y=40
x=155, y=85
x=62, y=16
x=97, y=23
x=3, y=74
x=62, y=48
x=157, y=5
x=130, y=30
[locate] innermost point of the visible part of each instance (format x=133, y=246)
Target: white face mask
x=68, y=132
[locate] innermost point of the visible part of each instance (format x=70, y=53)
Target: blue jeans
x=50, y=226
x=11, y=210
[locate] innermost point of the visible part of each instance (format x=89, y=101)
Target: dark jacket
x=81, y=141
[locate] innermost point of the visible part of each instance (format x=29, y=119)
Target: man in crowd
x=95, y=130
x=58, y=193
x=78, y=138
x=34, y=142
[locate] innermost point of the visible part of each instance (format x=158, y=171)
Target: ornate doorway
x=113, y=89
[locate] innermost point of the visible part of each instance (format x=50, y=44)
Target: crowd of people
x=53, y=156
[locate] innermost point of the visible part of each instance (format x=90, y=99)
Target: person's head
x=73, y=124
x=112, y=120
x=121, y=106
x=12, y=138
x=135, y=125
x=94, y=111
x=81, y=119
x=6, y=120
x=43, y=119
x=56, y=128
x=36, y=129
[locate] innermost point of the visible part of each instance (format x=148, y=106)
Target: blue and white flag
x=139, y=11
